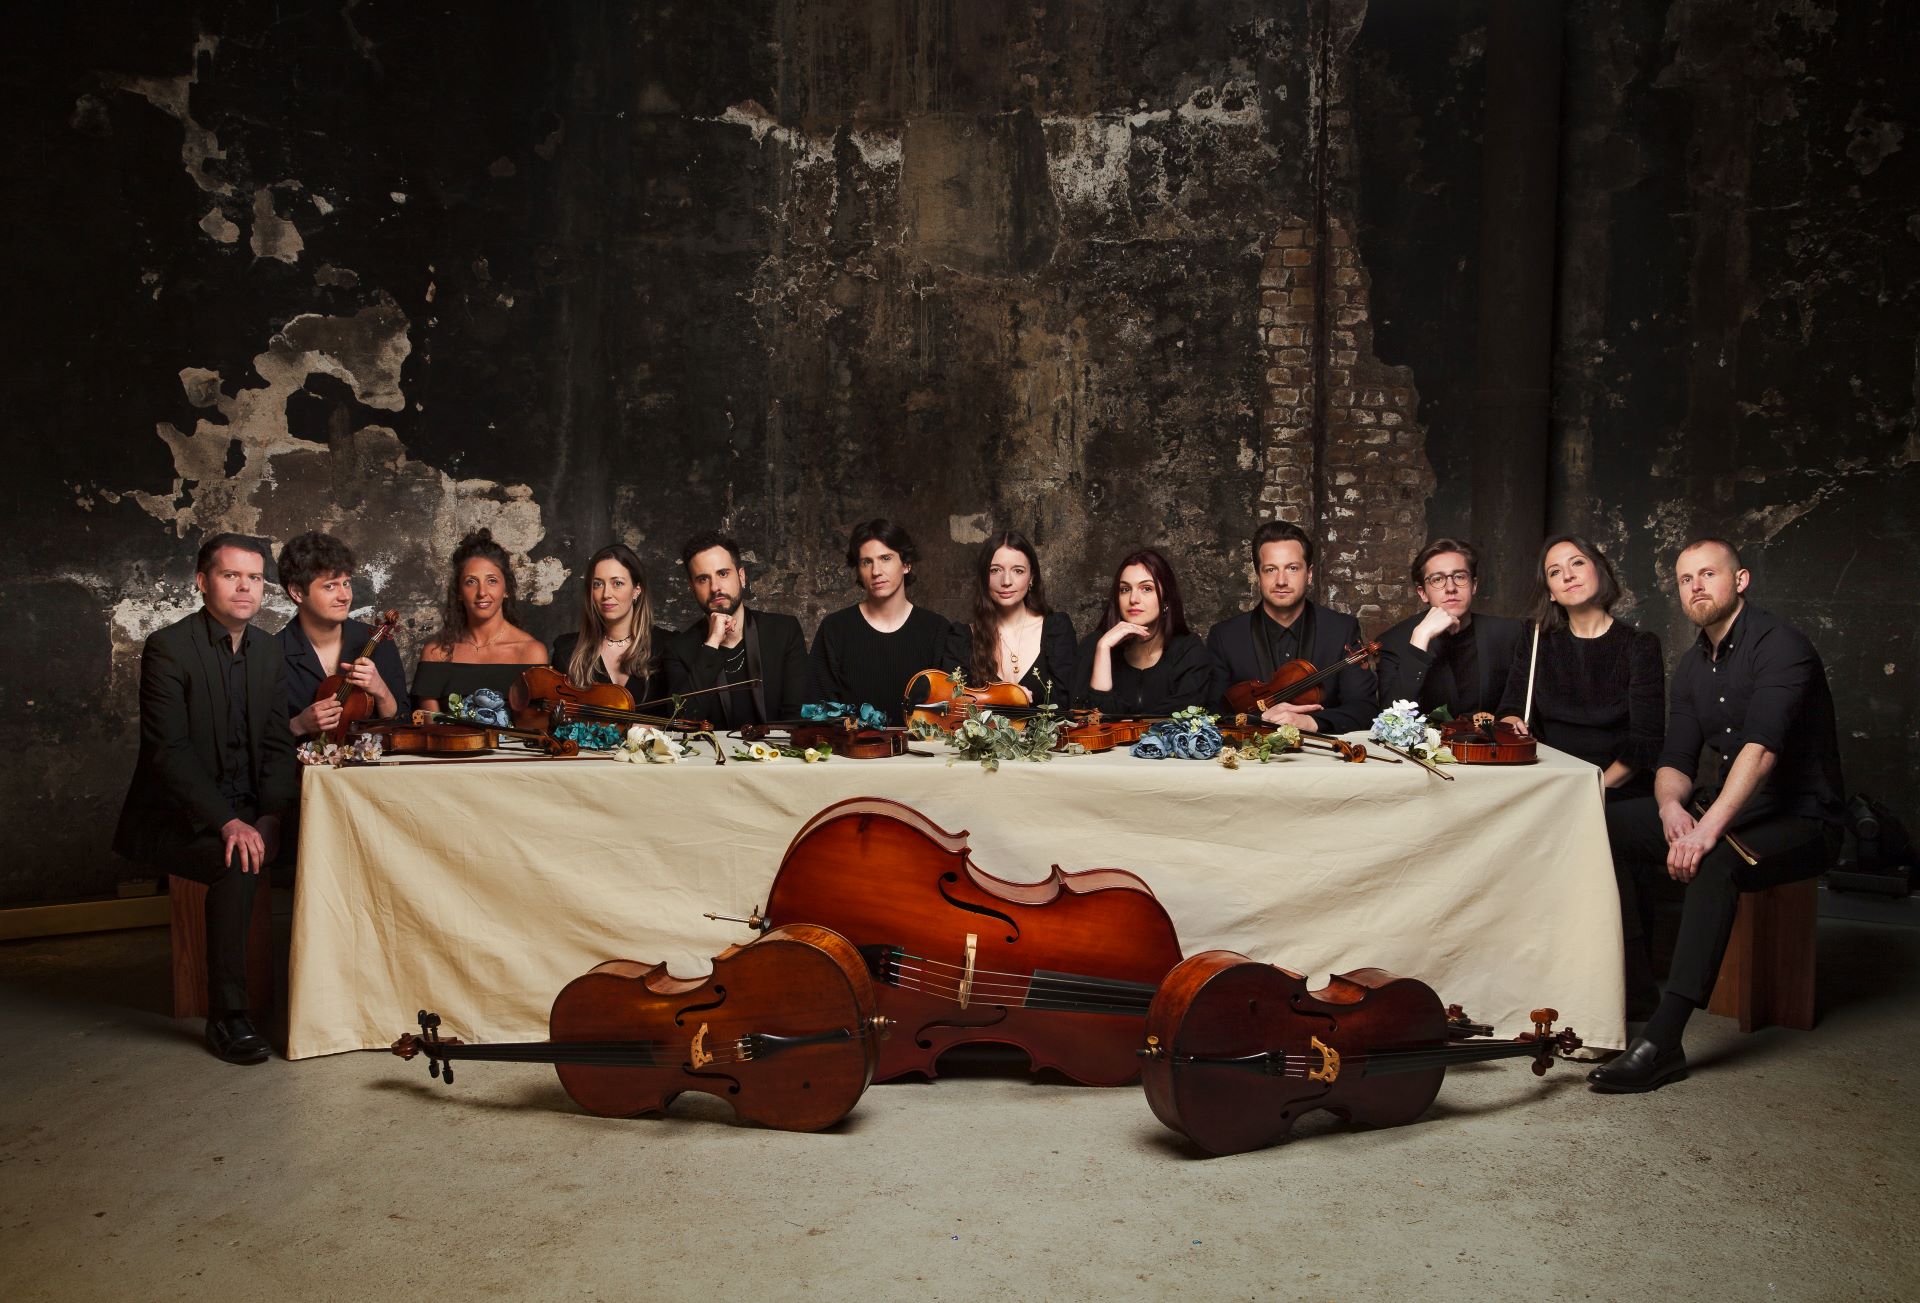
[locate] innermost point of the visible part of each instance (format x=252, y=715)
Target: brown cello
x=356, y=704
x=1237, y=1051
x=1063, y=968
x=783, y=1029
x=1296, y=682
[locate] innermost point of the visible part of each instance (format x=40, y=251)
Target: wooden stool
x=1766, y=976
x=190, y=949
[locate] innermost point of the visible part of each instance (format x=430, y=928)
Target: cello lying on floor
x=1237, y=1050
x=784, y=1030
x=1063, y=968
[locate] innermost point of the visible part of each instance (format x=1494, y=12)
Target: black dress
x=1050, y=678
x=1601, y=699
x=856, y=664
x=1187, y=674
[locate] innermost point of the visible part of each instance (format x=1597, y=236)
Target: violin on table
x=1063, y=968
x=842, y=736
x=936, y=698
x=784, y=1029
x=356, y=703
x=543, y=699
x=1237, y=1051
x=1296, y=683
x=1480, y=739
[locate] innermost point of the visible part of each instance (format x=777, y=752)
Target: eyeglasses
x=1452, y=578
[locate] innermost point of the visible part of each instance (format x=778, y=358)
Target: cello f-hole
x=948, y=877
x=720, y=998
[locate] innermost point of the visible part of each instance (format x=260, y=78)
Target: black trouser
x=1788, y=847
x=230, y=895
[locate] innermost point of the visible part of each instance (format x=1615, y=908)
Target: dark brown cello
x=1296, y=682
x=1237, y=1051
x=784, y=1030
x=1063, y=968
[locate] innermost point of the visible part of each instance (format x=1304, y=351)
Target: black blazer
x=1053, y=672
x=776, y=655
x=175, y=794
x=643, y=688
x=304, y=670
x=1347, y=703
x=1406, y=673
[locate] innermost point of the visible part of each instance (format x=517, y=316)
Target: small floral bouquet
x=1403, y=727
x=828, y=712
x=644, y=743
x=481, y=706
x=1190, y=734
x=1264, y=749
x=765, y=753
x=364, y=749
x=590, y=736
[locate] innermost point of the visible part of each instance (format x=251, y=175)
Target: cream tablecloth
x=479, y=890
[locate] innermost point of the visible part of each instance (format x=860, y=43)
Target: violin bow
x=1427, y=765
x=697, y=692
x=1740, y=848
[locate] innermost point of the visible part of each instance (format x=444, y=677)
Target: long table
x=479, y=890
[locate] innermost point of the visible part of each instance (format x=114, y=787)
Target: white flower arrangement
x=646, y=743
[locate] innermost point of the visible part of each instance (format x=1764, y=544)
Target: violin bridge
x=966, y=978
x=1329, y=1069
x=697, y=1052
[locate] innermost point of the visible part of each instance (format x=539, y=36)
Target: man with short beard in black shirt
x=1753, y=690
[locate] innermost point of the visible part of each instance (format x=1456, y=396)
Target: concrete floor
x=134, y=1166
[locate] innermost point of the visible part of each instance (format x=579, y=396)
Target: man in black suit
x=1284, y=627
x=733, y=644
x=1449, y=654
x=216, y=770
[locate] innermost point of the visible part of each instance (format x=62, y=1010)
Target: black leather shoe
x=232, y=1037
x=1645, y=1066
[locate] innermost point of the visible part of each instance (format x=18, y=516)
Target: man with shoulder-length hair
x=216, y=770
x=1287, y=626
x=1448, y=654
x=731, y=644
x=1752, y=690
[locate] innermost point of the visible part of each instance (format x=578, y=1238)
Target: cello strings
x=613, y=1054
x=947, y=988
x=1084, y=989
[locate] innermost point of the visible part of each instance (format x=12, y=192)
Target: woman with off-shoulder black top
x=1599, y=686
x=1143, y=661
x=1014, y=636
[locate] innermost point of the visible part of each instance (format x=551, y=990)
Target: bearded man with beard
x=730, y=644
x=1753, y=690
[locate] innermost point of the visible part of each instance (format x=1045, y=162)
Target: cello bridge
x=697, y=1051
x=1329, y=1069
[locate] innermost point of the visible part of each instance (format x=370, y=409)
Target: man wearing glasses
x=1449, y=654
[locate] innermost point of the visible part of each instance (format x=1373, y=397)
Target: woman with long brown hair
x=1143, y=661
x=1014, y=636
x=614, y=643
x=479, y=644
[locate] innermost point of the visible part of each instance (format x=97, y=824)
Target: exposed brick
x=1287, y=235
x=1302, y=295
x=1297, y=257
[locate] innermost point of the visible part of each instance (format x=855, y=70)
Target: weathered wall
x=1114, y=273
x=1739, y=315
